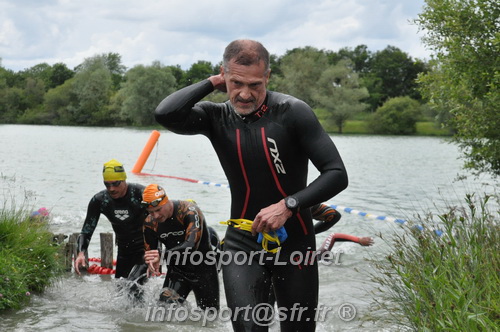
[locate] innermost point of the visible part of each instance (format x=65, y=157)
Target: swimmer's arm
x=322, y=152
x=180, y=113
x=150, y=234
x=334, y=237
x=151, y=252
x=89, y=224
x=88, y=228
x=364, y=241
x=326, y=215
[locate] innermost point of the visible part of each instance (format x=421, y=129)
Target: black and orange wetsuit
x=326, y=215
x=191, y=263
x=126, y=216
x=265, y=158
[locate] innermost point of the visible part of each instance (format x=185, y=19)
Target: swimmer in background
x=328, y=217
x=40, y=215
x=120, y=202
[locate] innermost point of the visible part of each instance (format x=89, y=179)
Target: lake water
x=60, y=168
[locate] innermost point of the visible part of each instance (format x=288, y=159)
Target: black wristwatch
x=292, y=203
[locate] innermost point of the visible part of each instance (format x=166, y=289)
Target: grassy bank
x=449, y=282
x=29, y=261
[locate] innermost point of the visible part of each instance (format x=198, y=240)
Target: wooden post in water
x=107, y=250
x=59, y=239
x=72, y=251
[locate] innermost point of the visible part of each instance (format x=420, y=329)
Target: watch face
x=291, y=202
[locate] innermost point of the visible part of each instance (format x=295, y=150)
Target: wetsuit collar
x=257, y=114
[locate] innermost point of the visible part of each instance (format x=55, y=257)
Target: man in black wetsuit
x=120, y=202
x=191, y=262
x=264, y=141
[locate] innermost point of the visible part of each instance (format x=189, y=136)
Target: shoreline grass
x=29, y=259
x=449, y=282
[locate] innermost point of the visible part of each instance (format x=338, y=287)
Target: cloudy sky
x=181, y=32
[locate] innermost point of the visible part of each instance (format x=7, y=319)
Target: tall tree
x=7, y=78
x=11, y=104
x=93, y=87
x=397, y=72
x=113, y=63
x=177, y=72
x=360, y=57
x=60, y=73
x=339, y=93
x=197, y=72
x=144, y=88
x=301, y=68
x=34, y=92
x=465, y=80
x=61, y=102
x=41, y=71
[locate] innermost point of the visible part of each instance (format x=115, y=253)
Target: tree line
x=101, y=91
x=458, y=88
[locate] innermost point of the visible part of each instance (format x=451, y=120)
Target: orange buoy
x=139, y=164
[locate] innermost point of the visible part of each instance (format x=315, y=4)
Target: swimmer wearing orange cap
x=180, y=226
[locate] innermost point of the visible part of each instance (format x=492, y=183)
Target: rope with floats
x=154, y=138
x=336, y=207
x=96, y=269
x=372, y=216
x=367, y=215
x=208, y=183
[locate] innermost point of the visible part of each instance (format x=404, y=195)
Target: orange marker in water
x=139, y=164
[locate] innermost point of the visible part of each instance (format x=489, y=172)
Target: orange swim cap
x=154, y=195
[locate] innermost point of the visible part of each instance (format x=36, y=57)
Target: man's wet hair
x=246, y=53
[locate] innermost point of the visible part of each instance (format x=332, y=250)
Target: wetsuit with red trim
x=126, y=215
x=336, y=237
x=189, y=255
x=265, y=158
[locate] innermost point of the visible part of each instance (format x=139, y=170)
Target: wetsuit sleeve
x=90, y=223
x=332, y=238
x=150, y=229
x=322, y=152
x=82, y=242
x=345, y=238
x=326, y=215
x=180, y=113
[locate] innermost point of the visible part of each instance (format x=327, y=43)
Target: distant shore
x=359, y=127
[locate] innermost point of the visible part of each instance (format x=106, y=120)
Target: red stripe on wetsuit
x=271, y=167
x=243, y=170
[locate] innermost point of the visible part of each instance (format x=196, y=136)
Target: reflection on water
x=60, y=168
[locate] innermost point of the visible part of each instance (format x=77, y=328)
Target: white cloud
x=183, y=32
x=8, y=34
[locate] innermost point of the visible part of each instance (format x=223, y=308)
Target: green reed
x=29, y=259
x=445, y=282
